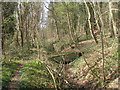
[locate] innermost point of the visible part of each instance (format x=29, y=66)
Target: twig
x=52, y=77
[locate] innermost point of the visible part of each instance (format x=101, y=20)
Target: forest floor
x=79, y=72
x=84, y=72
x=13, y=84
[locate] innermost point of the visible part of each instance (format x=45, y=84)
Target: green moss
x=61, y=54
x=76, y=62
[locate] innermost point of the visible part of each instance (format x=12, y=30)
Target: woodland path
x=13, y=84
x=72, y=77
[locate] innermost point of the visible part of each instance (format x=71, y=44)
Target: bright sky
x=45, y=13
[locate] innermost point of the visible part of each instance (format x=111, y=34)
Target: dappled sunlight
x=60, y=45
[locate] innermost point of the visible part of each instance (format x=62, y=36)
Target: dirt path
x=16, y=76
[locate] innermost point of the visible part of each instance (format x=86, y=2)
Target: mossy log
x=65, y=57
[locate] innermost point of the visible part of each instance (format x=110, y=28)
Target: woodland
x=60, y=45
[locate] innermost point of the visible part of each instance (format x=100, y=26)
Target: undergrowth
x=93, y=73
x=35, y=75
x=8, y=66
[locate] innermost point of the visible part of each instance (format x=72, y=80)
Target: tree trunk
x=69, y=23
x=22, y=39
x=102, y=43
x=1, y=37
x=119, y=44
x=90, y=20
x=112, y=24
x=86, y=28
x=55, y=19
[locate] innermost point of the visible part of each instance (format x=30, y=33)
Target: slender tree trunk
x=27, y=33
x=89, y=21
x=119, y=46
x=112, y=24
x=102, y=43
x=16, y=33
x=22, y=39
x=1, y=37
x=56, y=22
x=1, y=42
x=86, y=27
x=2, y=34
x=69, y=23
x=21, y=21
x=101, y=28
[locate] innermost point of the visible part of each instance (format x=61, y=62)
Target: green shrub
x=7, y=70
x=35, y=75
